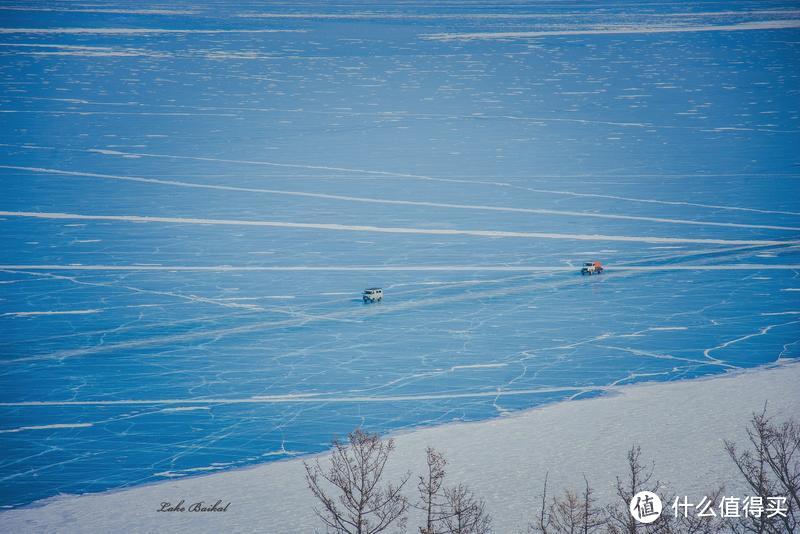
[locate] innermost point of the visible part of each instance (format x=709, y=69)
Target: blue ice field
x=193, y=197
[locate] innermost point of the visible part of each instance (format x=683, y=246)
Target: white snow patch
x=620, y=29
x=478, y=366
x=504, y=460
x=116, y=11
x=132, y=31
x=390, y=230
x=46, y=427
x=63, y=312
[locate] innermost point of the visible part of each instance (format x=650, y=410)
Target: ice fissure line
x=392, y=174
x=348, y=198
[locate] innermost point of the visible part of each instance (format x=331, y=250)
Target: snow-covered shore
x=679, y=425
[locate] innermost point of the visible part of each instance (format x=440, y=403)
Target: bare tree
x=430, y=490
x=592, y=517
x=544, y=517
x=770, y=466
x=638, y=478
x=566, y=513
x=463, y=513
x=573, y=513
x=349, y=491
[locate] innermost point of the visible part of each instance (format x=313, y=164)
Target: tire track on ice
x=345, y=315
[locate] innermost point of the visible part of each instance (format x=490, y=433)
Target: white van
x=372, y=294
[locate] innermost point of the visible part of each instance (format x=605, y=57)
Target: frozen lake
x=193, y=199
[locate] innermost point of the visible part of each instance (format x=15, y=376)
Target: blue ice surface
x=111, y=378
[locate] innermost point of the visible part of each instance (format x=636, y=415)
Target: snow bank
x=680, y=426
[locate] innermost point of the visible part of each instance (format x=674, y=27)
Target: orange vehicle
x=592, y=267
